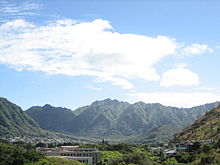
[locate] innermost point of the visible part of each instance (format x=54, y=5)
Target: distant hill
x=112, y=119
x=205, y=128
x=15, y=122
x=53, y=118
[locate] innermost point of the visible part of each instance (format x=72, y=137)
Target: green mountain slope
x=15, y=122
x=205, y=128
x=115, y=119
x=158, y=123
x=101, y=118
x=53, y=118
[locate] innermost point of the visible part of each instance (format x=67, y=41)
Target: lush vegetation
x=205, y=128
x=15, y=122
x=21, y=154
x=17, y=155
x=123, y=154
x=54, y=161
x=112, y=154
x=207, y=154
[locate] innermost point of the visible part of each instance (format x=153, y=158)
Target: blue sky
x=70, y=53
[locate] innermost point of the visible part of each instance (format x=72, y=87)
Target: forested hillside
x=15, y=122
x=115, y=119
x=206, y=128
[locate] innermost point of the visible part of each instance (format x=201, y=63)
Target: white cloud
x=92, y=48
x=94, y=88
x=205, y=89
x=179, y=77
x=17, y=9
x=15, y=25
x=83, y=48
x=115, y=81
x=195, y=49
x=176, y=99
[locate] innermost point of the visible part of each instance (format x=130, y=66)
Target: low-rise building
x=187, y=146
x=169, y=152
x=84, y=155
x=87, y=160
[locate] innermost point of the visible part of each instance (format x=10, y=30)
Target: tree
x=206, y=148
x=217, y=145
x=207, y=159
x=185, y=157
x=170, y=161
x=41, y=145
x=136, y=158
x=16, y=155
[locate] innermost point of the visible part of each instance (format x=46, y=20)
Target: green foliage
x=170, y=161
x=16, y=155
x=206, y=148
x=127, y=154
x=33, y=156
x=55, y=161
x=109, y=155
x=185, y=157
x=136, y=158
x=217, y=144
x=115, y=161
x=207, y=160
x=121, y=147
x=129, y=159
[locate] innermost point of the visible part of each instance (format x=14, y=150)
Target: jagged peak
x=47, y=106
x=105, y=101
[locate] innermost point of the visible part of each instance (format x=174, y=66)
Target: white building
x=84, y=155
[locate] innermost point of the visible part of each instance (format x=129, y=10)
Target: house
x=169, y=153
x=187, y=146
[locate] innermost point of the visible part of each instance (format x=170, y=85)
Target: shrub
x=206, y=148
x=207, y=160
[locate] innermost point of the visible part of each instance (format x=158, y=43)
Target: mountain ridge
x=109, y=119
x=117, y=119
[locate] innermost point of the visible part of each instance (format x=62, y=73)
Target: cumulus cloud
x=195, y=49
x=179, y=77
x=176, y=99
x=83, y=48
